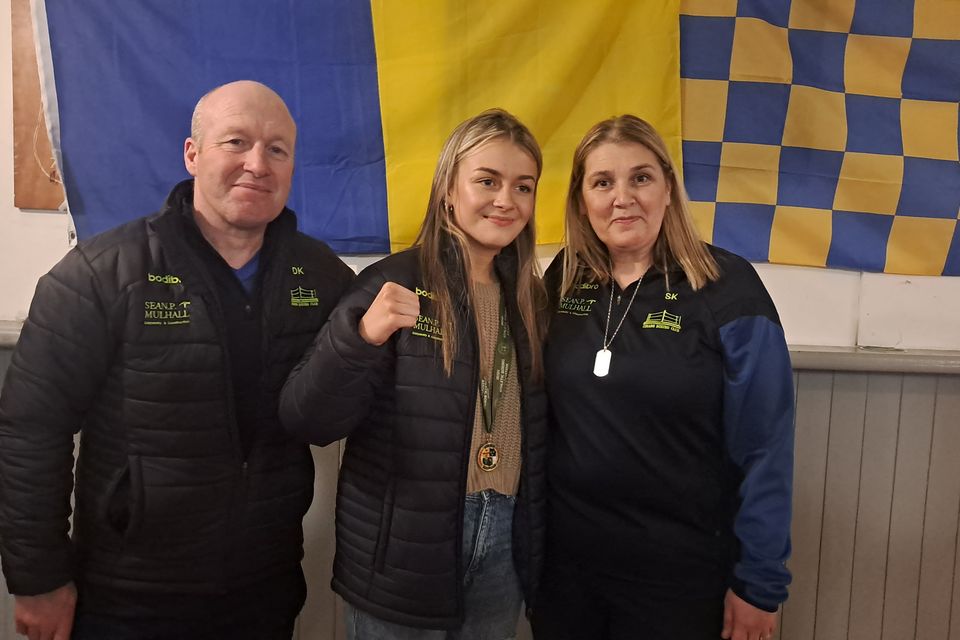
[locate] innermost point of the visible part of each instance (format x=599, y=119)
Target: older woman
x=672, y=405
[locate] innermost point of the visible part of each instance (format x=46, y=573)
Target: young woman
x=431, y=368
x=672, y=415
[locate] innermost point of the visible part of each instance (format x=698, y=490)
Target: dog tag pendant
x=601, y=365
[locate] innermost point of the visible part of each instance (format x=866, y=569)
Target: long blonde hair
x=678, y=242
x=439, y=230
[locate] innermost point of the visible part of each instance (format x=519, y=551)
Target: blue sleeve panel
x=758, y=419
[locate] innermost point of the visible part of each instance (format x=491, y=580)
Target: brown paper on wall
x=36, y=182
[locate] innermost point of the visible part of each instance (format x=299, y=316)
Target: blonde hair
x=440, y=232
x=678, y=242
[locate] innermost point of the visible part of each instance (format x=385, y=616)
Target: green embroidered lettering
x=427, y=327
x=423, y=293
x=576, y=306
x=165, y=313
x=164, y=279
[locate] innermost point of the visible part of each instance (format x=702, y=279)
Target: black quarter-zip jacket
x=126, y=342
x=675, y=469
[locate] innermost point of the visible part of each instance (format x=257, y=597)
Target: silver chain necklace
x=601, y=364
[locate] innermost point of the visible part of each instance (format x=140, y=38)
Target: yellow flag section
x=559, y=65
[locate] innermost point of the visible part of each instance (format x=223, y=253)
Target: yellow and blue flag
x=825, y=132
x=374, y=86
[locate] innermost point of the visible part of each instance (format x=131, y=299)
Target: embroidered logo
x=662, y=320
x=427, y=327
x=576, y=306
x=669, y=296
x=301, y=297
x=579, y=305
x=423, y=293
x=164, y=279
x=159, y=313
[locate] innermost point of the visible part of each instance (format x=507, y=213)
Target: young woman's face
x=494, y=194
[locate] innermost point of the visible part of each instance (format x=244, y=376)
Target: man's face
x=243, y=160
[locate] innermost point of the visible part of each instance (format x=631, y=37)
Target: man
x=166, y=341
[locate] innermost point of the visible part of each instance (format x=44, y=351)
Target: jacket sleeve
x=330, y=392
x=56, y=372
x=758, y=422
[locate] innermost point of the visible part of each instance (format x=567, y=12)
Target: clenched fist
x=395, y=307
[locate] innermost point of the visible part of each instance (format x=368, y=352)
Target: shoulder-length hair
x=678, y=243
x=439, y=231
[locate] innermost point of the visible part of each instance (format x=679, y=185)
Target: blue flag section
x=128, y=74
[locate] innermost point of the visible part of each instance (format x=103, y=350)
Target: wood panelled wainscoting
x=876, y=503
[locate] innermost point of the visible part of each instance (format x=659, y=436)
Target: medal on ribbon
x=488, y=455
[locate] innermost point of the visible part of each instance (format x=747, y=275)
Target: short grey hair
x=195, y=129
x=196, y=124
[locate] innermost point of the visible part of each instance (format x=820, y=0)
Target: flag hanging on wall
x=374, y=87
x=824, y=132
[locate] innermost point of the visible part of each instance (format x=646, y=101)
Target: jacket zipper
x=522, y=496
x=465, y=465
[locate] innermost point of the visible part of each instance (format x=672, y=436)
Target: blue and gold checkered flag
x=825, y=132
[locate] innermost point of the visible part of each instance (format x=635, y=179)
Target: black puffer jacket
x=125, y=342
x=404, y=473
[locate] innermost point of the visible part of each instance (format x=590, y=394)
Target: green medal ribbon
x=491, y=390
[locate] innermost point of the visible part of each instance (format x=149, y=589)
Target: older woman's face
x=625, y=194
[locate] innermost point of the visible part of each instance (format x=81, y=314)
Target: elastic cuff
x=742, y=591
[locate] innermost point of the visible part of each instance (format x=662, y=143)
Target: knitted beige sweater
x=506, y=426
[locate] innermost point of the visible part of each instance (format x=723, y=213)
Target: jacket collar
x=505, y=265
x=179, y=203
x=185, y=245
x=175, y=220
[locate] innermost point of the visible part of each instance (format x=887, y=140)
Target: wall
x=30, y=242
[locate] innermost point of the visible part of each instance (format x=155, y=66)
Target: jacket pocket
x=383, y=534
x=124, y=503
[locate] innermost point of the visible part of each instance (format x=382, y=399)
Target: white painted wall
x=817, y=306
x=30, y=242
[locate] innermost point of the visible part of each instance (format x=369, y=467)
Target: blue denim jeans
x=491, y=588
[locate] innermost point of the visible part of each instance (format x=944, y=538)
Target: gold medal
x=488, y=457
